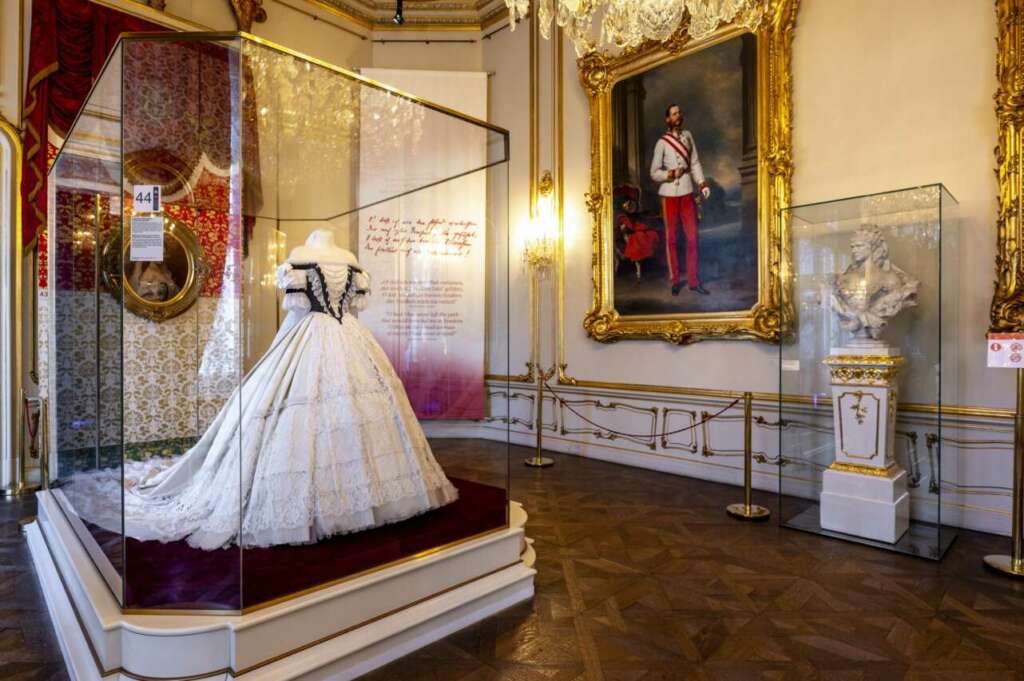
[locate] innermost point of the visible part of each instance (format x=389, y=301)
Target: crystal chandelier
x=625, y=24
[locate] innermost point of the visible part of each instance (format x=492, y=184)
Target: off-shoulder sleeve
x=289, y=277
x=360, y=282
x=360, y=289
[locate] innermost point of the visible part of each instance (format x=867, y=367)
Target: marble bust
x=871, y=290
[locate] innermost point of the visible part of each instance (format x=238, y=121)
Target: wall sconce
x=539, y=248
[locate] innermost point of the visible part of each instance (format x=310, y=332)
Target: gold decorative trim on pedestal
x=1007, y=313
x=888, y=472
x=866, y=360
x=877, y=370
x=880, y=376
x=598, y=74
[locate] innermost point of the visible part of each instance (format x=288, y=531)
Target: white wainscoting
x=976, y=453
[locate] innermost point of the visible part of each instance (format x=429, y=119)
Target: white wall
x=886, y=95
x=10, y=15
x=285, y=26
x=890, y=95
x=435, y=56
x=505, y=56
x=881, y=101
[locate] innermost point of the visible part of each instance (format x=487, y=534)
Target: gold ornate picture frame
x=764, y=320
x=160, y=290
x=1007, y=312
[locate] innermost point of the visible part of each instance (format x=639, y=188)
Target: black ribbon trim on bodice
x=317, y=294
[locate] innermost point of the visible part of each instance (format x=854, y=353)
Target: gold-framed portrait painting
x=690, y=167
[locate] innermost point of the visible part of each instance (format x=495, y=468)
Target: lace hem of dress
x=355, y=508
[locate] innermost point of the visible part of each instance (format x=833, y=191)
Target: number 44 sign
x=146, y=198
x=1006, y=350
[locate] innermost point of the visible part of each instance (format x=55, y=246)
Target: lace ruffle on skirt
x=320, y=439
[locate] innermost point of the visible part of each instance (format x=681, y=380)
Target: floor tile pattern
x=643, y=577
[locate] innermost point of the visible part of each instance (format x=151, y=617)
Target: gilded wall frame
x=1007, y=312
x=599, y=73
x=184, y=259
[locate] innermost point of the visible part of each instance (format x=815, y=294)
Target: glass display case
x=868, y=368
x=268, y=274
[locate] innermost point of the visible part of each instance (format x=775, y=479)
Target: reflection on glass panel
x=381, y=241
x=267, y=284
x=85, y=211
x=181, y=322
x=872, y=297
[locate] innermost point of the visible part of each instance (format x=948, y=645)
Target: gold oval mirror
x=156, y=290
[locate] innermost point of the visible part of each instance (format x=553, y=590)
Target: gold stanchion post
x=748, y=510
x=1013, y=564
x=538, y=460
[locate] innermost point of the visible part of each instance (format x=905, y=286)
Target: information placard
x=146, y=198
x=147, y=239
x=1006, y=350
x=426, y=251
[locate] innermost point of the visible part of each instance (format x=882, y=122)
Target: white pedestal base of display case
x=864, y=492
x=875, y=507
x=336, y=633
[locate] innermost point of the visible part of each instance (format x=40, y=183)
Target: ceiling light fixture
x=626, y=24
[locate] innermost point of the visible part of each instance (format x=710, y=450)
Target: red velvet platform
x=176, y=576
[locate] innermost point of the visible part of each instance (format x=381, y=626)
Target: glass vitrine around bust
x=868, y=368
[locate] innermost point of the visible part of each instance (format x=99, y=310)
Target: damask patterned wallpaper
x=174, y=377
x=157, y=380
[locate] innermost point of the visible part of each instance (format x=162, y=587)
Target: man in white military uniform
x=676, y=167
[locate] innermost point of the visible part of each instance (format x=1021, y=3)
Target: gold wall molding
x=1007, y=313
x=12, y=364
x=648, y=441
x=708, y=451
x=960, y=411
x=530, y=423
x=772, y=474
x=933, y=439
x=598, y=75
x=666, y=429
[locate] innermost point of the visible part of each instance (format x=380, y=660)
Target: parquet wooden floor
x=643, y=577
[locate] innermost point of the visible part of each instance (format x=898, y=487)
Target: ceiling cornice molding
x=420, y=15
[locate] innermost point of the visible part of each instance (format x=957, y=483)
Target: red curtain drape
x=70, y=41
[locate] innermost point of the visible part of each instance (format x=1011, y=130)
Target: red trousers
x=681, y=209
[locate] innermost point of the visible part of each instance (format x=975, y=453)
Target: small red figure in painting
x=641, y=240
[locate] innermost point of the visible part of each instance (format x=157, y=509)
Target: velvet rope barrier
x=663, y=433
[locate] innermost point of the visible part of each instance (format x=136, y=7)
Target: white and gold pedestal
x=864, y=492
x=336, y=633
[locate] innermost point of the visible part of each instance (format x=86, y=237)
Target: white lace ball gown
x=319, y=439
